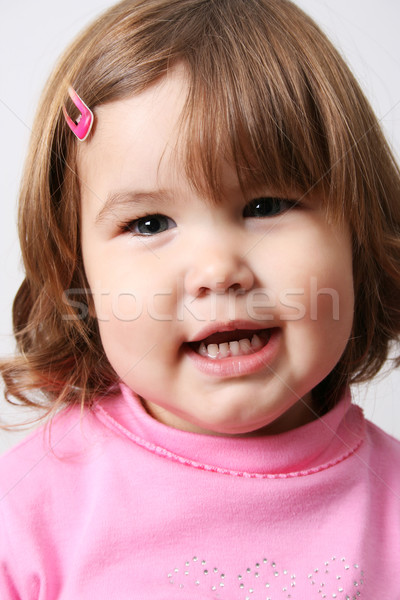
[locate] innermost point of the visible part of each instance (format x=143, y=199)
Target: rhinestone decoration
x=265, y=580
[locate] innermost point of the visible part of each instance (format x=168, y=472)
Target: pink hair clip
x=84, y=122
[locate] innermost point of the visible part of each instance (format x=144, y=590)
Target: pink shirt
x=125, y=508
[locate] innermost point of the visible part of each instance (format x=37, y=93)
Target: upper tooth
x=256, y=343
x=203, y=349
x=234, y=348
x=245, y=346
x=224, y=350
x=212, y=350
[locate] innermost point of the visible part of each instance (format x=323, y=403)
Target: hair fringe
x=286, y=111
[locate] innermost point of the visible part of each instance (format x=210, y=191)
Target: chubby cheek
x=123, y=346
x=135, y=325
x=319, y=326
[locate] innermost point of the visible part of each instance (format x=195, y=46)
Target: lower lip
x=237, y=366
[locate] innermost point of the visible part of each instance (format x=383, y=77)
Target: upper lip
x=212, y=328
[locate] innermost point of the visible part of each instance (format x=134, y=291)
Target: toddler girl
x=209, y=223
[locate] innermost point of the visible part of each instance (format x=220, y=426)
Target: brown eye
x=266, y=207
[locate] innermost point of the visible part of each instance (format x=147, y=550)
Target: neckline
x=310, y=448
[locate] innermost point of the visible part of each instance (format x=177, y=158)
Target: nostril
x=236, y=287
x=224, y=286
x=219, y=273
x=203, y=291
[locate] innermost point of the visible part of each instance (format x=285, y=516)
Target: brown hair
x=284, y=106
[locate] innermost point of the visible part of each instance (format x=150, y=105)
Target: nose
x=217, y=266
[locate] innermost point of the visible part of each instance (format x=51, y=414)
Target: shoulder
x=53, y=455
x=48, y=485
x=383, y=458
x=387, y=446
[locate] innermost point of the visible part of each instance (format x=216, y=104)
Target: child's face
x=247, y=265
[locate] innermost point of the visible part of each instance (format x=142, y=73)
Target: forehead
x=133, y=135
x=174, y=128
x=256, y=96
x=141, y=143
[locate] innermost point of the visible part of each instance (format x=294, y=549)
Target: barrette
x=81, y=128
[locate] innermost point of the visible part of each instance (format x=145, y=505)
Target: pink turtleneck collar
x=307, y=449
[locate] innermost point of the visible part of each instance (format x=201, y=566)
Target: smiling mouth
x=240, y=342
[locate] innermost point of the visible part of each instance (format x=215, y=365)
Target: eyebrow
x=123, y=199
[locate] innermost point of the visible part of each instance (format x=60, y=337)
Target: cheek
x=126, y=342
x=134, y=317
x=332, y=287
x=117, y=310
x=125, y=287
x=313, y=281
x=320, y=336
x=314, y=274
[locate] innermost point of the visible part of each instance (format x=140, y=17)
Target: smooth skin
x=167, y=266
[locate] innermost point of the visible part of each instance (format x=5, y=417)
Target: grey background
x=33, y=34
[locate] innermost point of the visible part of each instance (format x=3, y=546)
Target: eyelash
x=130, y=226
x=277, y=206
